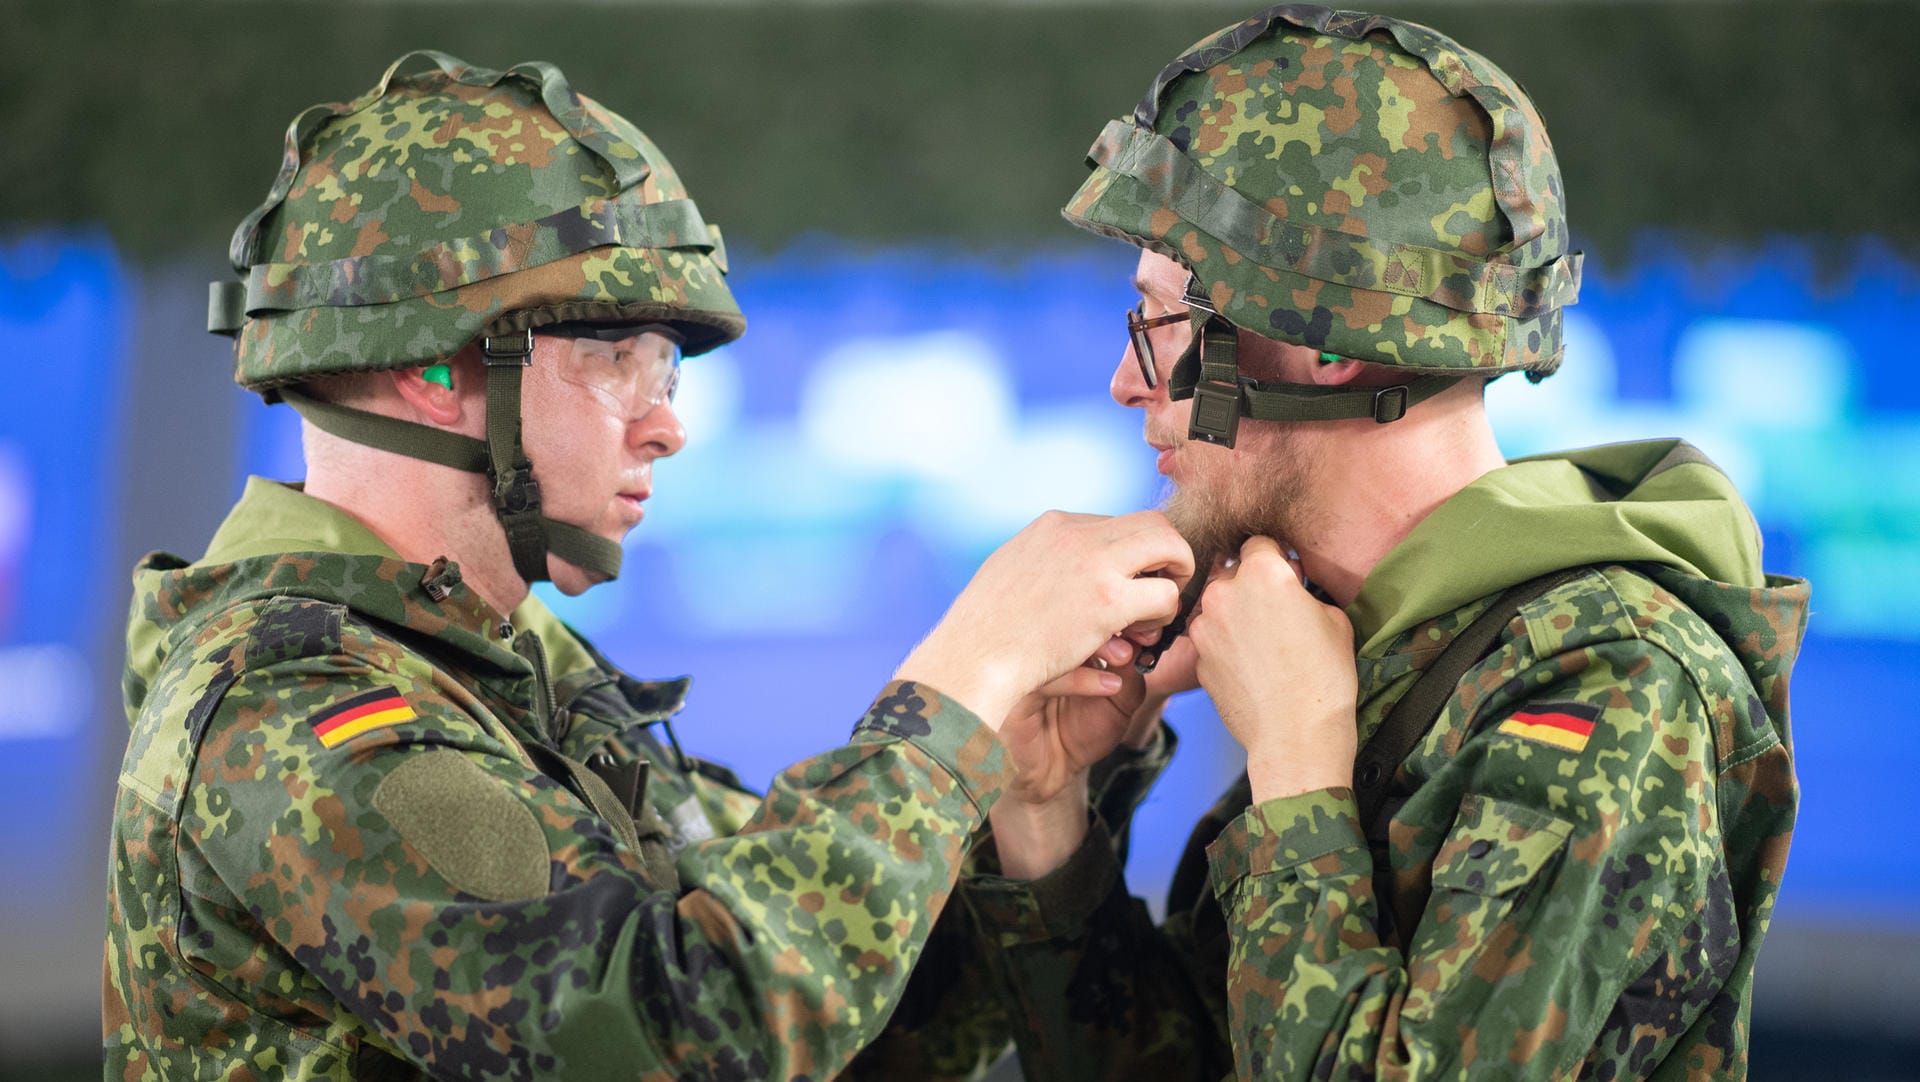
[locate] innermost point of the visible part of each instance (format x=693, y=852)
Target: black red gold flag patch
x=345, y=720
x=1564, y=725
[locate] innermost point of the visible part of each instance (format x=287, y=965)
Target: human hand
x=1056, y=735
x=1279, y=667
x=1046, y=601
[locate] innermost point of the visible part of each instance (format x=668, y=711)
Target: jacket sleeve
x=949, y=1026
x=953, y=1022
x=1094, y=988
x=478, y=919
x=1578, y=916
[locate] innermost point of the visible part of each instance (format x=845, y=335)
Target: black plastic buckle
x=1216, y=412
x=507, y=349
x=1389, y=404
x=440, y=579
x=518, y=493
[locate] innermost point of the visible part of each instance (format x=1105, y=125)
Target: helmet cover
x=459, y=201
x=1351, y=183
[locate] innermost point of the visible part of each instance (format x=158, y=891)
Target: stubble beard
x=1262, y=495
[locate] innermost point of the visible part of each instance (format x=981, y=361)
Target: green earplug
x=438, y=373
x=1330, y=358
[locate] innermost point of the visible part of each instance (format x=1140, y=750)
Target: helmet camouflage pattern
x=1351, y=183
x=455, y=202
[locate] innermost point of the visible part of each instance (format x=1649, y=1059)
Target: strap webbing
x=516, y=495
x=1309, y=402
x=565, y=540
x=379, y=279
x=582, y=548
x=435, y=445
x=1415, y=714
x=1163, y=175
x=1209, y=373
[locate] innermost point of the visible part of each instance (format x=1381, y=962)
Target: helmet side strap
x=516, y=495
x=1217, y=397
x=578, y=546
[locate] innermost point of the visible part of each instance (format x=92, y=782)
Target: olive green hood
x=1658, y=503
x=279, y=540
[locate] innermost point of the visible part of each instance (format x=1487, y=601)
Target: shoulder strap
x=1414, y=715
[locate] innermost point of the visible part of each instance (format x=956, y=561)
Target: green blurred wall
x=1722, y=121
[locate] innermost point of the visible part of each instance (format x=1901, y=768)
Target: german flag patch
x=345, y=720
x=1564, y=725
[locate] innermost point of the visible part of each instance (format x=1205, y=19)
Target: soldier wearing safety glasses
x=381, y=814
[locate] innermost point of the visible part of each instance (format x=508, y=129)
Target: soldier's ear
x=431, y=393
x=1332, y=370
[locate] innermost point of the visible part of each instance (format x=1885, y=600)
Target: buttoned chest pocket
x=1485, y=880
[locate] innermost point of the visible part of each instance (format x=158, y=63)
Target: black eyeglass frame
x=1138, y=324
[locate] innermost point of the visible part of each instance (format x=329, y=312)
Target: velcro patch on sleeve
x=468, y=824
x=363, y=713
x=1563, y=725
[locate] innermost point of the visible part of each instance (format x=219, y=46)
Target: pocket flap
x=1496, y=848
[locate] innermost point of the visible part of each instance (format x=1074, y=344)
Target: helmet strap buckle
x=515, y=492
x=1219, y=398
x=1390, y=404
x=516, y=495
x=507, y=349
x=1216, y=412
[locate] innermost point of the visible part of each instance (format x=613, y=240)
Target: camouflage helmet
x=459, y=204
x=1351, y=183
x=458, y=201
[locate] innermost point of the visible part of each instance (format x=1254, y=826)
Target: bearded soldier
x=1519, y=784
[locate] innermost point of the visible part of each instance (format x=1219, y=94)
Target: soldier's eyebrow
x=1141, y=287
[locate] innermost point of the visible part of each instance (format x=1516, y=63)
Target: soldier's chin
x=570, y=578
x=1201, y=519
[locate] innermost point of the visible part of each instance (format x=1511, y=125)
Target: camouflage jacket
x=364, y=829
x=1586, y=848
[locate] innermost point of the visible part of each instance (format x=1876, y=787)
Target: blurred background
x=925, y=371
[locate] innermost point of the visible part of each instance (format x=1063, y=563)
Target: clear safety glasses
x=631, y=364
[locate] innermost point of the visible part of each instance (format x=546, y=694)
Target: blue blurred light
x=892, y=416
x=64, y=306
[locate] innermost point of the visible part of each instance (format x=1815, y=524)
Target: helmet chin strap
x=501, y=456
x=1209, y=373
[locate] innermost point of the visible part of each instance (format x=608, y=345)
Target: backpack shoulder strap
x=1414, y=715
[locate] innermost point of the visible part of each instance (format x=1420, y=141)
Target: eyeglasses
x=1139, y=324
x=632, y=365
